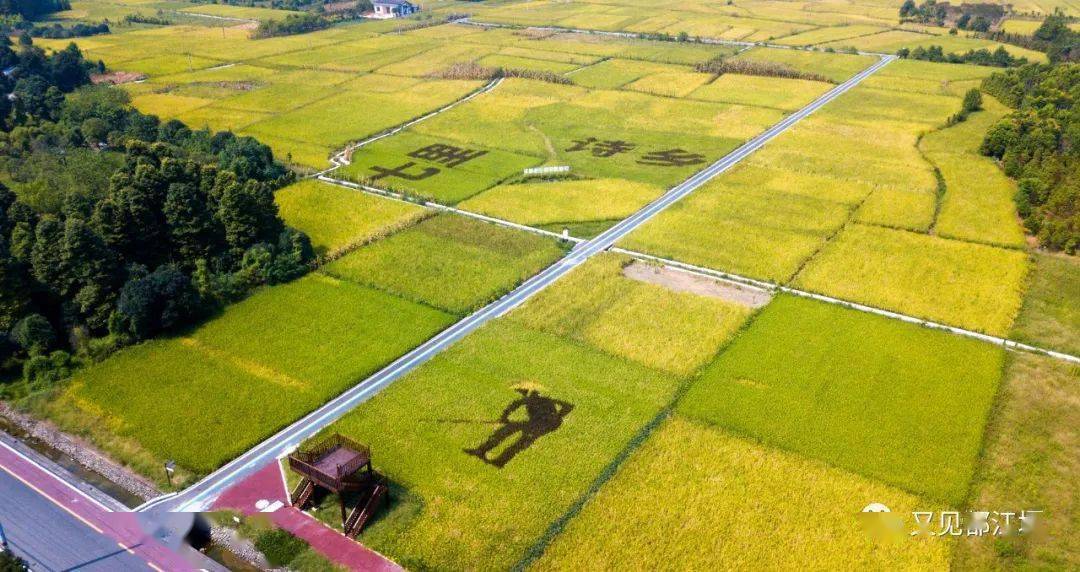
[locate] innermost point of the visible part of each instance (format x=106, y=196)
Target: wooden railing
x=305, y=461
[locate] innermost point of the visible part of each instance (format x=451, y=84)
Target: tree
x=35, y=97
x=154, y=302
x=292, y=255
x=248, y=214
x=9, y=562
x=34, y=334
x=68, y=70
x=191, y=226
x=91, y=270
x=15, y=288
x=43, y=370
x=46, y=255
x=972, y=101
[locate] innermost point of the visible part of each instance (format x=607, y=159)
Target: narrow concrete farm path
x=761, y=285
x=201, y=495
x=264, y=492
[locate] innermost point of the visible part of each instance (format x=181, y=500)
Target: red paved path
x=119, y=526
x=268, y=484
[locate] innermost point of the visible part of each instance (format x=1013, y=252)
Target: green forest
x=115, y=226
x=1038, y=145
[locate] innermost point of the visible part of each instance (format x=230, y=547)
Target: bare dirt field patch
x=680, y=281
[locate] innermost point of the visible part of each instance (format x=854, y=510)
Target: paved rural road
x=202, y=494
x=54, y=526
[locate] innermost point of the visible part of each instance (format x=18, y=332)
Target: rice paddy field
x=266, y=360
x=705, y=476
x=449, y=279
x=970, y=285
x=338, y=219
x=1030, y=460
x=676, y=332
x=308, y=96
x=631, y=415
x=978, y=201
x=1049, y=316
x=617, y=144
x=862, y=217
x=795, y=412
x=453, y=510
x=287, y=349
x=874, y=396
x=867, y=26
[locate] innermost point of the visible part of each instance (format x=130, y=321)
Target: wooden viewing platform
x=339, y=465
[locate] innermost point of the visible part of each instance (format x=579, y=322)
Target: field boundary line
x=199, y=495
x=441, y=207
x=745, y=281
x=773, y=287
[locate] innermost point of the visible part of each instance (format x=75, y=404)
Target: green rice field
x=475, y=262
x=635, y=414
x=289, y=348
x=446, y=404
x=887, y=400
x=965, y=284
x=674, y=499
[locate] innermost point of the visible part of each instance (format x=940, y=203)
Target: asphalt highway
x=55, y=526
x=202, y=494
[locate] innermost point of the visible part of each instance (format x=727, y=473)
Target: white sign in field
x=547, y=170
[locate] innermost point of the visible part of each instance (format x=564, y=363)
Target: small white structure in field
x=547, y=170
x=384, y=9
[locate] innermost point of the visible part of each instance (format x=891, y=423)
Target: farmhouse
x=384, y=9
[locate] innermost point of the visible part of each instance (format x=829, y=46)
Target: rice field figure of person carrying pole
x=526, y=419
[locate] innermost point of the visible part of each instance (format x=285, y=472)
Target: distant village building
x=384, y=9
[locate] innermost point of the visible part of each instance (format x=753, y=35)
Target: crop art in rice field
x=440, y=153
x=608, y=148
x=530, y=415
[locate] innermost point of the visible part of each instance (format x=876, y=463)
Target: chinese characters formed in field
x=672, y=158
x=439, y=153
x=601, y=148
x=610, y=147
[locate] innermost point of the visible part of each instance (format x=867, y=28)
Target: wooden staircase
x=365, y=508
x=302, y=494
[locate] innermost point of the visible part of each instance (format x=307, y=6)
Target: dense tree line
x=1039, y=145
x=982, y=57
x=929, y=12
x=79, y=30
x=118, y=226
x=1053, y=36
x=1062, y=43
x=975, y=17
x=290, y=25
x=32, y=9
